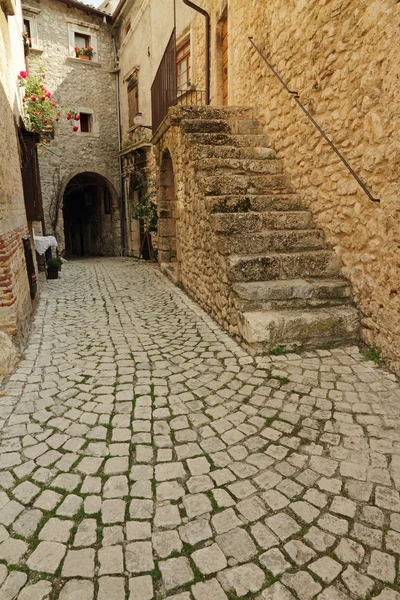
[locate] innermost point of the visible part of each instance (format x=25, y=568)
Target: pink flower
x=36, y=112
x=57, y=119
x=69, y=116
x=23, y=74
x=43, y=98
x=77, y=118
x=75, y=128
x=33, y=98
x=48, y=94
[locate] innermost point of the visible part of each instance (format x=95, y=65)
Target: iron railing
x=192, y=97
x=164, y=88
x=164, y=91
x=296, y=97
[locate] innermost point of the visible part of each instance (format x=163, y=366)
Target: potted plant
x=53, y=266
x=84, y=53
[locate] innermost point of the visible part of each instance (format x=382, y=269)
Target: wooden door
x=225, y=62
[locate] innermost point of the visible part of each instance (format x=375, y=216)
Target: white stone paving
x=145, y=455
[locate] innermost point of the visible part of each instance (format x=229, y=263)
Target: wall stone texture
x=82, y=86
x=15, y=301
x=186, y=241
x=341, y=56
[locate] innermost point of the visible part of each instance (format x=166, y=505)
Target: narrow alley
x=145, y=454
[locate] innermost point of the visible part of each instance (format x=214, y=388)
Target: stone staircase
x=284, y=279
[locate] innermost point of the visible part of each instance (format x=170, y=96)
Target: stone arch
x=88, y=215
x=168, y=216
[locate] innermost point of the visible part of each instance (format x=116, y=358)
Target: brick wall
x=15, y=301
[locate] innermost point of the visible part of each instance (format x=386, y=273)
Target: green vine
x=145, y=209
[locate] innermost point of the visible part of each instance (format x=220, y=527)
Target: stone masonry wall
x=15, y=302
x=84, y=87
x=342, y=58
x=201, y=269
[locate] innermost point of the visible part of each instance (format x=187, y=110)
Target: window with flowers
x=82, y=40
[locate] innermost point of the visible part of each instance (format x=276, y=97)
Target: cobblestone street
x=144, y=454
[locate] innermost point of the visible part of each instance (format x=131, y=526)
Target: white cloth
x=43, y=242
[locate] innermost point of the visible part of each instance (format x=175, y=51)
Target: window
x=82, y=35
x=85, y=122
x=81, y=40
x=30, y=28
x=133, y=100
x=183, y=65
x=27, y=31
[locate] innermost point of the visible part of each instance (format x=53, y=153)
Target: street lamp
x=138, y=121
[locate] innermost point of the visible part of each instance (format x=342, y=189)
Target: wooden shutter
x=133, y=101
x=31, y=176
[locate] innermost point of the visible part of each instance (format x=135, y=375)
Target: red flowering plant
x=41, y=113
x=84, y=51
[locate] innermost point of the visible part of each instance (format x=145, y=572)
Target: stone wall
x=83, y=86
x=342, y=58
x=186, y=242
x=15, y=302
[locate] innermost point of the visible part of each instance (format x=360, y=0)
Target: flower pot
x=84, y=57
x=52, y=273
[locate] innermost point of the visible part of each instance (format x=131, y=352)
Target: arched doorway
x=91, y=216
x=168, y=246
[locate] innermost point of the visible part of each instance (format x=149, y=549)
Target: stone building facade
x=142, y=30
x=79, y=170
x=341, y=58
x=15, y=299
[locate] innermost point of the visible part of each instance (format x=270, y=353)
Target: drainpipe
x=122, y=203
x=207, y=61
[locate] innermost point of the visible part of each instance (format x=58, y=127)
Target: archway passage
x=167, y=224
x=91, y=218
x=168, y=220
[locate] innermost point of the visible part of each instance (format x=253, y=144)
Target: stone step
x=223, y=166
x=240, y=127
x=179, y=113
x=250, y=222
x=204, y=151
x=258, y=202
x=291, y=293
x=264, y=267
x=246, y=126
x=227, y=139
x=219, y=185
x=264, y=330
x=271, y=241
x=206, y=126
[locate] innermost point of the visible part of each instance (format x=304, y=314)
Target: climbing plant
x=145, y=209
x=41, y=113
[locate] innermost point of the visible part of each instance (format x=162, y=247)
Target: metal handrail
x=296, y=97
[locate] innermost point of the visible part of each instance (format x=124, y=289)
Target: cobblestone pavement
x=144, y=455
